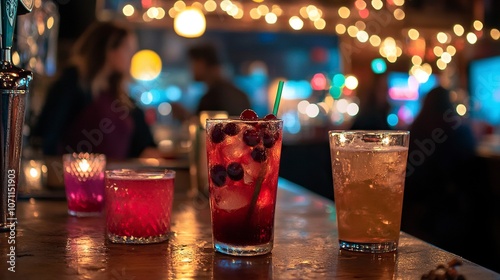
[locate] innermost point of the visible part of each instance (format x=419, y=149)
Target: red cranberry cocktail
x=243, y=165
x=138, y=205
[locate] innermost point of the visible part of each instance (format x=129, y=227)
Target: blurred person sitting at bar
x=374, y=107
x=88, y=108
x=221, y=94
x=439, y=197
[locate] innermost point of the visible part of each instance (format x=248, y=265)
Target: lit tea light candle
x=84, y=182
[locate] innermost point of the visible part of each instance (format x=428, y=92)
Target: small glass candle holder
x=84, y=182
x=138, y=205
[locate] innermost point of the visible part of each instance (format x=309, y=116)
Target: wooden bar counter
x=50, y=244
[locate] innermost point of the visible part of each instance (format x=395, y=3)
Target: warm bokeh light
x=495, y=34
x=146, y=65
x=437, y=50
x=416, y=60
x=461, y=109
x=442, y=37
x=399, y=14
x=377, y=4
x=413, y=34
x=340, y=28
x=296, y=23
x=263, y=10
x=146, y=18
x=172, y=12
x=375, y=40
x=471, y=38
x=451, y=50
x=362, y=36
x=254, y=13
x=458, y=29
x=351, y=82
x=352, y=31
x=441, y=64
x=271, y=18
x=276, y=9
x=344, y=12
x=478, y=25
x=360, y=25
x=320, y=24
x=50, y=22
x=398, y=2
x=190, y=23
x=152, y=12
x=179, y=6
x=128, y=10
x=360, y=4
x=446, y=57
x=161, y=13
x=210, y=5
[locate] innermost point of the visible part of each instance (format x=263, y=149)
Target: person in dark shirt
x=439, y=187
x=221, y=95
x=87, y=108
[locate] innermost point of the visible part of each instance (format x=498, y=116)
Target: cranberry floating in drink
x=243, y=165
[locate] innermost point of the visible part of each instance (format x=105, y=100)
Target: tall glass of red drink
x=243, y=166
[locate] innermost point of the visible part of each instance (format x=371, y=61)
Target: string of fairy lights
x=427, y=49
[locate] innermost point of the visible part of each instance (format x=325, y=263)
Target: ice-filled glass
x=369, y=170
x=138, y=205
x=243, y=166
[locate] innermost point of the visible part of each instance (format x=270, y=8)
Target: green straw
x=278, y=98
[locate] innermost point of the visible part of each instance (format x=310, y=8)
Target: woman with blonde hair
x=88, y=108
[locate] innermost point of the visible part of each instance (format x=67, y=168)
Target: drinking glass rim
x=140, y=174
x=83, y=155
x=243, y=121
x=368, y=132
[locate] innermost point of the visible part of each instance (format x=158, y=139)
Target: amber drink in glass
x=369, y=170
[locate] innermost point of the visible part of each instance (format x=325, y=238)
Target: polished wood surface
x=52, y=245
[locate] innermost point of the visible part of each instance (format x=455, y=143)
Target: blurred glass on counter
x=33, y=177
x=198, y=153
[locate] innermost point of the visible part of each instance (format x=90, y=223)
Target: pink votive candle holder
x=84, y=183
x=138, y=205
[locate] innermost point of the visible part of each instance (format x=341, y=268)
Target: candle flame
x=84, y=165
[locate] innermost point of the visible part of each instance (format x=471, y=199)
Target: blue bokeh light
x=392, y=119
x=378, y=66
x=174, y=93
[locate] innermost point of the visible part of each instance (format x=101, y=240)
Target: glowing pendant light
x=190, y=23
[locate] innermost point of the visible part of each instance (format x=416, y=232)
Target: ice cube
x=234, y=149
x=231, y=200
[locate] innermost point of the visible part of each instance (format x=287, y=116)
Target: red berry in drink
x=217, y=134
x=231, y=129
x=259, y=154
x=249, y=115
x=218, y=175
x=270, y=117
x=268, y=140
x=235, y=171
x=251, y=137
